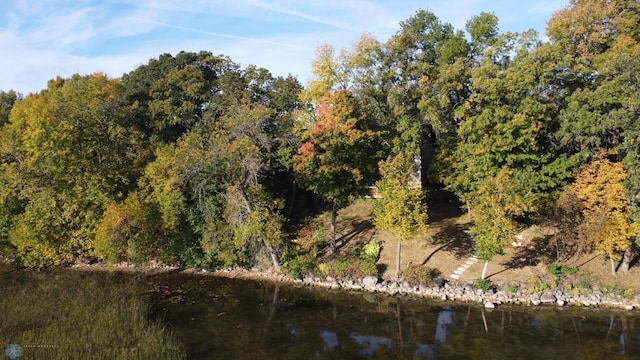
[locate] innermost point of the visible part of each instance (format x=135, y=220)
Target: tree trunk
x=626, y=258
x=398, y=260
x=334, y=215
x=613, y=266
x=270, y=249
x=292, y=199
x=274, y=257
x=484, y=270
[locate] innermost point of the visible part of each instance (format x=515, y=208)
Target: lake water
x=240, y=319
x=205, y=317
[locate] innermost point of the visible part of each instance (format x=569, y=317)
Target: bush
x=537, y=285
x=348, y=268
x=482, y=284
x=512, y=288
x=418, y=274
x=299, y=266
x=585, y=285
x=371, y=251
x=559, y=271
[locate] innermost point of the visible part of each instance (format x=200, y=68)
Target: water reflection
x=370, y=344
x=222, y=318
x=445, y=318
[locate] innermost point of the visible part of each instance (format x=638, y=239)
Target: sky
x=42, y=39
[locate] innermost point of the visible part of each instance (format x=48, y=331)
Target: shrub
x=583, y=286
x=482, y=284
x=348, y=268
x=371, y=251
x=418, y=274
x=299, y=266
x=512, y=288
x=536, y=285
x=559, y=271
x=628, y=294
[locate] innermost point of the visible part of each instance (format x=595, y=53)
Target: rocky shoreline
x=446, y=291
x=440, y=289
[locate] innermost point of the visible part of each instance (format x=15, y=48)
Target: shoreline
x=446, y=291
x=439, y=290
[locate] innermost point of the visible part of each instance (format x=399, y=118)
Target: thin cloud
x=41, y=39
x=210, y=33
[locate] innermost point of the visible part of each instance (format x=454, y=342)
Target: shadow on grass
x=455, y=239
x=538, y=250
x=382, y=268
x=357, y=228
x=446, y=208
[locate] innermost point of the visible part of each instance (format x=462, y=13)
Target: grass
x=76, y=315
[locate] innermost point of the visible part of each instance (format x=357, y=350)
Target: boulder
x=547, y=298
x=489, y=305
x=370, y=281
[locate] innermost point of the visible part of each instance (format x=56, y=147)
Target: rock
x=547, y=298
x=535, y=302
x=560, y=302
x=330, y=279
x=439, y=282
x=628, y=307
x=370, y=281
x=489, y=305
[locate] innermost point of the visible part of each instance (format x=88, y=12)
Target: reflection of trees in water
x=247, y=320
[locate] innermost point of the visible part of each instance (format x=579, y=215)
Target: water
x=204, y=317
x=239, y=319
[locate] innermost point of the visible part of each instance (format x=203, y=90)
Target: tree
x=334, y=161
x=425, y=68
x=505, y=138
x=599, y=43
x=497, y=200
x=401, y=208
x=7, y=100
x=69, y=151
x=607, y=225
x=170, y=94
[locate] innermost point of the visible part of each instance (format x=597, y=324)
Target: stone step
x=459, y=271
x=455, y=276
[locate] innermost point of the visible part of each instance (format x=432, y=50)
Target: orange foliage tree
x=335, y=159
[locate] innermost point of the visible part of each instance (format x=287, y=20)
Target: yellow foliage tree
x=606, y=226
x=401, y=209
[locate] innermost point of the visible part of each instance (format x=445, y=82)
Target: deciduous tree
x=607, y=225
x=401, y=208
x=334, y=161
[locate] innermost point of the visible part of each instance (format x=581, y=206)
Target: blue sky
x=41, y=39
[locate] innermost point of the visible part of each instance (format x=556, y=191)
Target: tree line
x=192, y=159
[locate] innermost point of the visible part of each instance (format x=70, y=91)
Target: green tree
x=507, y=126
x=497, y=200
x=7, y=100
x=401, y=208
x=170, y=94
